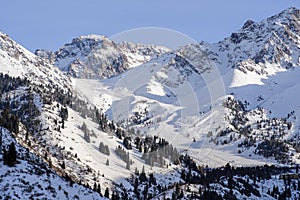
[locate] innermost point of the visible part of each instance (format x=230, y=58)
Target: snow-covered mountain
x=43, y=114
x=158, y=123
x=192, y=94
x=34, y=97
x=96, y=56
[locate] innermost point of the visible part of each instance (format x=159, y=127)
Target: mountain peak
x=273, y=40
x=93, y=37
x=288, y=14
x=98, y=56
x=291, y=10
x=248, y=23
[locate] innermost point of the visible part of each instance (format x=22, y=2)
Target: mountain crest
x=95, y=56
x=274, y=40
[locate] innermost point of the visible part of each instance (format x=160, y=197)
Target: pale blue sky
x=49, y=24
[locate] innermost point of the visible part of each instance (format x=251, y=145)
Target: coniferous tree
x=87, y=137
x=104, y=149
x=106, y=193
x=143, y=175
x=145, y=192
x=63, y=113
x=136, y=185
x=127, y=143
x=114, y=196
x=63, y=165
x=174, y=197
x=177, y=189
x=95, y=186
x=10, y=156
x=136, y=171
x=99, y=189
x=84, y=127
x=0, y=139
x=86, y=132
x=128, y=165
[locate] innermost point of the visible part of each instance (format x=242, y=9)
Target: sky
x=40, y=24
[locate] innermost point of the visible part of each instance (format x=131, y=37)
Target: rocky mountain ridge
x=95, y=56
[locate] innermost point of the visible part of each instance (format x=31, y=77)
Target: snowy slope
x=16, y=61
x=31, y=177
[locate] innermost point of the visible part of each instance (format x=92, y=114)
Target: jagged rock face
x=274, y=41
x=96, y=56
x=257, y=46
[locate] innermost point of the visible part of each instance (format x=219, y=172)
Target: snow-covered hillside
x=16, y=61
x=31, y=178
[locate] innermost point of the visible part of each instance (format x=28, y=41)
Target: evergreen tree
x=128, y=165
x=107, y=152
x=174, y=196
x=181, y=195
x=143, y=176
x=99, y=189
x=87, y=137
x=107, y=162
x=86, y=132
x=10, y=156
x=104, y=149
x=0, y=139
x=63, y=113
x=145, y=192
x=127, y=143
x=63, y=165
x=136, y=171
x=136, y=185
x=84, y=127
x=106, y=193
x=114, y=196
x=177, y=189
